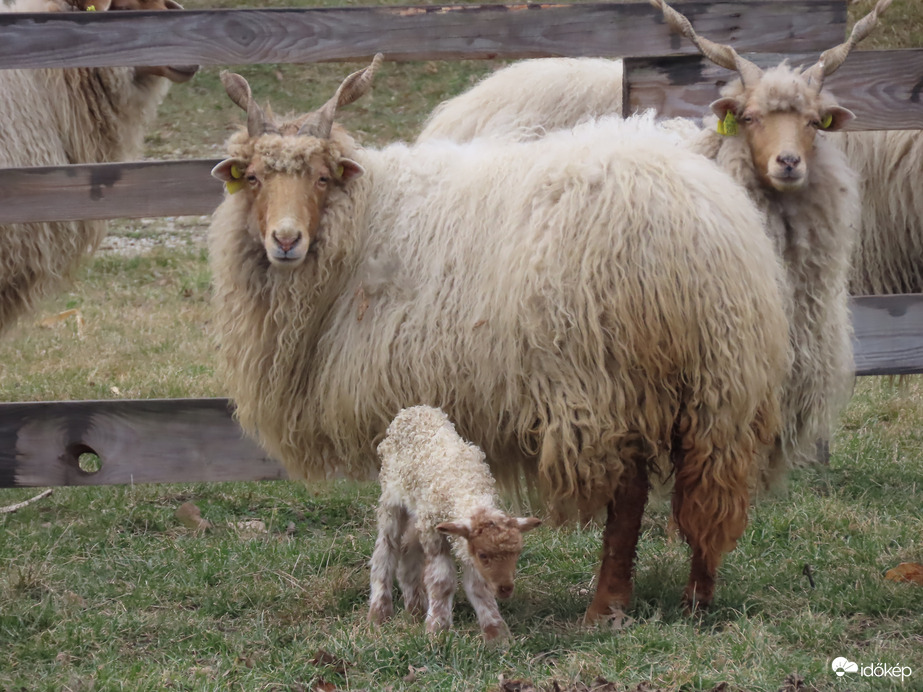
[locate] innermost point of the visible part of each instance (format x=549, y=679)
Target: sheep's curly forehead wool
x=781, y=88
x=283, y=154
x=496, y=529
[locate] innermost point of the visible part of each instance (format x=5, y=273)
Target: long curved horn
x=830, y=60
x=239, y=91
x=720, y=54
x=353, y=87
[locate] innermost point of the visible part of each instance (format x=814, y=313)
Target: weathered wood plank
x=883, y=88
x=108, y=191
x=148, y=441
x=233, y=37
x=888, y=334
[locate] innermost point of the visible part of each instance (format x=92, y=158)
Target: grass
x=104, y=589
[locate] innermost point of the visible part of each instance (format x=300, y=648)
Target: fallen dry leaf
x=906, y=571
x=324, y=658
x=191, y=517
x=321, y=685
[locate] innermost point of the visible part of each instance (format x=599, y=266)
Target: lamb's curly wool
x=618, y=301
x=889, y=255
x=516, y=101
x=56, y=117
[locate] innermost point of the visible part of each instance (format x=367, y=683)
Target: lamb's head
x=287, y=170
x=779, y=110
x=175, y=73
x=494, y=542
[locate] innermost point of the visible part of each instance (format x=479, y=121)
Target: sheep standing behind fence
x=55, y=117
x=596, y=311
x=433, y=485
x=813, y=219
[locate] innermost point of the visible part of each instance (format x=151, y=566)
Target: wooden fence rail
x=234, y=37
x=196, y=440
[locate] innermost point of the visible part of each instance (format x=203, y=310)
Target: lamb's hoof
x=378, y=615
x=496, y=635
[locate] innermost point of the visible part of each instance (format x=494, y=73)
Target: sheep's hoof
x=613, y=618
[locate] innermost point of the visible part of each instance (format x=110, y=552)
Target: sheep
x=62, y=116
x=613, y=320
x=515, y=102
x=433, y=485
x=769, y=130
x=888, y=258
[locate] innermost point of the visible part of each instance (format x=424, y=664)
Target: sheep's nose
x=286, y=244
x=504, y=590
x=789, y=160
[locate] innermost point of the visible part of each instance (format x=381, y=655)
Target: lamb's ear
x=347, y=170
x=527, y=524
x=456, y=528
x=722, y=106
x=835, y=117
x=229, y=170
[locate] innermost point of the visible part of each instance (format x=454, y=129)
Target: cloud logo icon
x=842, y=665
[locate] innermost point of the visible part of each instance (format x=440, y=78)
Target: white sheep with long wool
x=613, y=318
x=55, y=117
x=434, y=485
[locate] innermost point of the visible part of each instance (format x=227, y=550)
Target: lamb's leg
x=711, y=496
x=391, y=522
x=485, y=606
x=410, y=572
x=439, y=578
x=620, y=541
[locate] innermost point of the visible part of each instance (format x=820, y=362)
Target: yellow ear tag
x=728, y=126
x=233, y=186
x=827, y=121
x=90, y=8
x=340, y=171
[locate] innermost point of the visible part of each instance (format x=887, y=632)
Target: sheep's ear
x=229, y=170
x=527, y=524
x=347, y=170
x=835, y=117
x=455, y=528
x=172, y=5
x=721, y=107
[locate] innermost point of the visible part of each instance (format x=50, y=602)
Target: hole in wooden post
x=84, y=458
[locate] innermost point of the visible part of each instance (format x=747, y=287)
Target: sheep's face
x=494, y=543
x=175, y=73
x=287, y=180
x=779, y=116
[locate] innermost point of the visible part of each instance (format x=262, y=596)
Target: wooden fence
x=196, y=440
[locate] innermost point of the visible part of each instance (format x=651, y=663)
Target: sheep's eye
x=482, y=557
x=815, y=123
x=252, y=179
x=323, y=180
x=746, y=119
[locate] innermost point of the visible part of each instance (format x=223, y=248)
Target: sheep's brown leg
x=620, y=541
x=710, y=501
